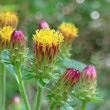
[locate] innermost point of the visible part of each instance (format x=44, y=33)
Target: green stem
x=2, y=86
x=39, y=95
x=22, y=89
x=52, y=106
x=34, y=102
x=83, y=107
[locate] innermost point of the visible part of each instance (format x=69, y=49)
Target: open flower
x=43, y=25
x=46, y=47
x=8, y=18
x=5, y=36
x=65, y=85
x=87, y=83
x=18, y=47
x=69, y=32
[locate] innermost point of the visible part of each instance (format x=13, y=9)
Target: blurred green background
x=92, y=17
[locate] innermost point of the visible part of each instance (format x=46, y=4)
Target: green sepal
x=96, y=99
x=55, y=76
x=48, y=97
x=66, y=107
x=28, y=76
x=45, y=80
x=41, y=83
x=50, y=90
x=53, y=99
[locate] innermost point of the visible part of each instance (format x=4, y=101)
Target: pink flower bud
x=17, y=37
x=87, y=83
x=65, y=85
x=16, y=99
x=9, y=109
x=43, y=25
x=89, y=73
x=16, y=103
x=18, y=47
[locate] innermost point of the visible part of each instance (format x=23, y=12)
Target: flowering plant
x=46, y=65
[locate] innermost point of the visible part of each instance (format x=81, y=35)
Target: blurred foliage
x=92, y=17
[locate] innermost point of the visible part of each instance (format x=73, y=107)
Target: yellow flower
x=5, y=36
x=8, y=18
x=5, y=33
x=47, y=37
x=46, y=47
x=70, y=32
x=68, y=29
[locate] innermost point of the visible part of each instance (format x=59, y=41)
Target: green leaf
x=5, y=58
x=27, y=77
x=70, y=63
x=45, y=80
x=96, y=100
x=48, y=97
x=74, y=106
x=66, y=107
x=41, y=83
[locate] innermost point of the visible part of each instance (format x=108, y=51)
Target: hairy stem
x=2, y=86
x=22, y=89
x=34, y=102
x=84, y=104
x=39, y=95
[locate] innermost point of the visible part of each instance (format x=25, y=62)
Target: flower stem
x=22, y=89
x=39, y=95
x=83, y=107
x=34, y=102
x=52, y=106
x=2, y=85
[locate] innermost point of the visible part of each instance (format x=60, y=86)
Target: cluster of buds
x=18, y=51
x=87, y=84
x=69, y=32
x=8, y=18
x=5, y=36
x=64, y=86
x=46, y=47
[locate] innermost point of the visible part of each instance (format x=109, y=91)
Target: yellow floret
x=8, y=18
x=47, y=37
x=5, y=33
x=68, y=29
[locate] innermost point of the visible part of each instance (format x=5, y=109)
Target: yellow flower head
x=46, y=47
x=5, y=34
x=47, y=37
x=8, y=18
x=68, y=29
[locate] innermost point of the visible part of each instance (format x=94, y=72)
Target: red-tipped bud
x=43, y=25
x=18, y=47
x=89, y=73
x=65, y=85
x=87, y=83
x=18, y=37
